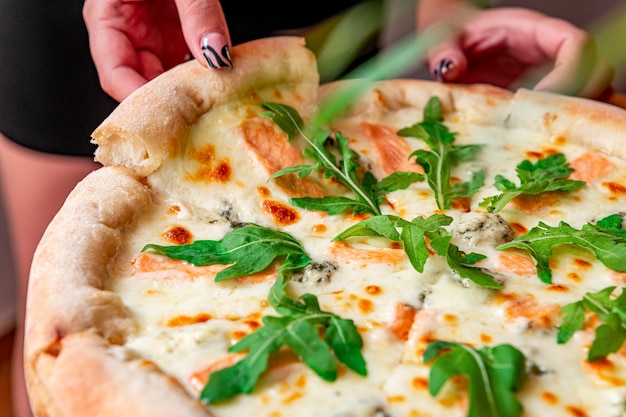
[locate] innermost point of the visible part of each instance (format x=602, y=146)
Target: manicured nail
x=215, y=50
x=443, y=67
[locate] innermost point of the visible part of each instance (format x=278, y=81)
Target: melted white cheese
x=524, y=313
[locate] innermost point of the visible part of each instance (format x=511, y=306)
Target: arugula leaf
x=611, y=335
x=547, y=174
x=413, y=236
x=250, y=249
x=443, y=156
x=605, y=239
x=459, y=261
x=368, y=192
x=493, y=374
x=300, y=327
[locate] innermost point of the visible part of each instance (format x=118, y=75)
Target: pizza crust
x=586, y=122
x=151, y=123
x=69, y=278
x=119, y=384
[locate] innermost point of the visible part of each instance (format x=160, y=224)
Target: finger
x=206, y=33
x=447, y=62
x=112, y=52
x=579, y=69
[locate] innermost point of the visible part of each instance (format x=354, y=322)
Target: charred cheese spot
x=263, y=191
x=252, y=324
x=222, y=172
x=301, y=381
x=282, y=213
x=450, y=318
x=550, y=397
x=615, y=188
x=238, y=335
x=173, y=209
x=277, y=94
x=560, y=140
x=605, y=369
x=534, y=154
x=359, y=217
x=557, y=288
x=209, y=170
x=319, y=228
x=519, y=228
x=187, y=320
x=574, y=277
x=253, y=321
x=365, y=306
x=396, y=399
x=581, y=263
x=419, y=383
x=373, y=289
x=461, y=204
x=575, y=411
x=485, y=338
x=178, y=235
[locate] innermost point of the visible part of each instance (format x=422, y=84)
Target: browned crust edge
x=152, y=122
x=586, y=122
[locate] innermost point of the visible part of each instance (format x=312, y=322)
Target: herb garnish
x=493, y=375
x=547, y=174
x=250, y=249
x=443, y=156
x=611, y=335
x=368, y=191
x=300, y=327
x=413, y=236
x=606, y=239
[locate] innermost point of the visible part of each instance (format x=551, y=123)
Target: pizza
x=435, y=250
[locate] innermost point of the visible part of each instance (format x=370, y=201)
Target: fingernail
x=215, y=50
x=443, y=67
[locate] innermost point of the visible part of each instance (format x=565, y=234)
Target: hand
x=133, y=41
x=502, y=46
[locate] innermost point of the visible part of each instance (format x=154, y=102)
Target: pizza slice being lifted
x=438, y=250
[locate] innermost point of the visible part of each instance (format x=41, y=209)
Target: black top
x=50, y=97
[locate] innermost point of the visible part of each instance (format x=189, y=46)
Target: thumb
x=205, y=31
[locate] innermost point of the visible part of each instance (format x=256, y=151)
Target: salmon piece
x=590, y=166
x=517, y=263
x=392, y=151
x=176, y=268
x=618, y=278
x=403, y=321
x=273, y=150
x=199, y=379
x=538, y=315
x=531, y=204
x=149, y=262
x=278, y=360
x=346, y=253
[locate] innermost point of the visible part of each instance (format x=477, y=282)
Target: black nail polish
x=443, y=67
x=215, y=51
